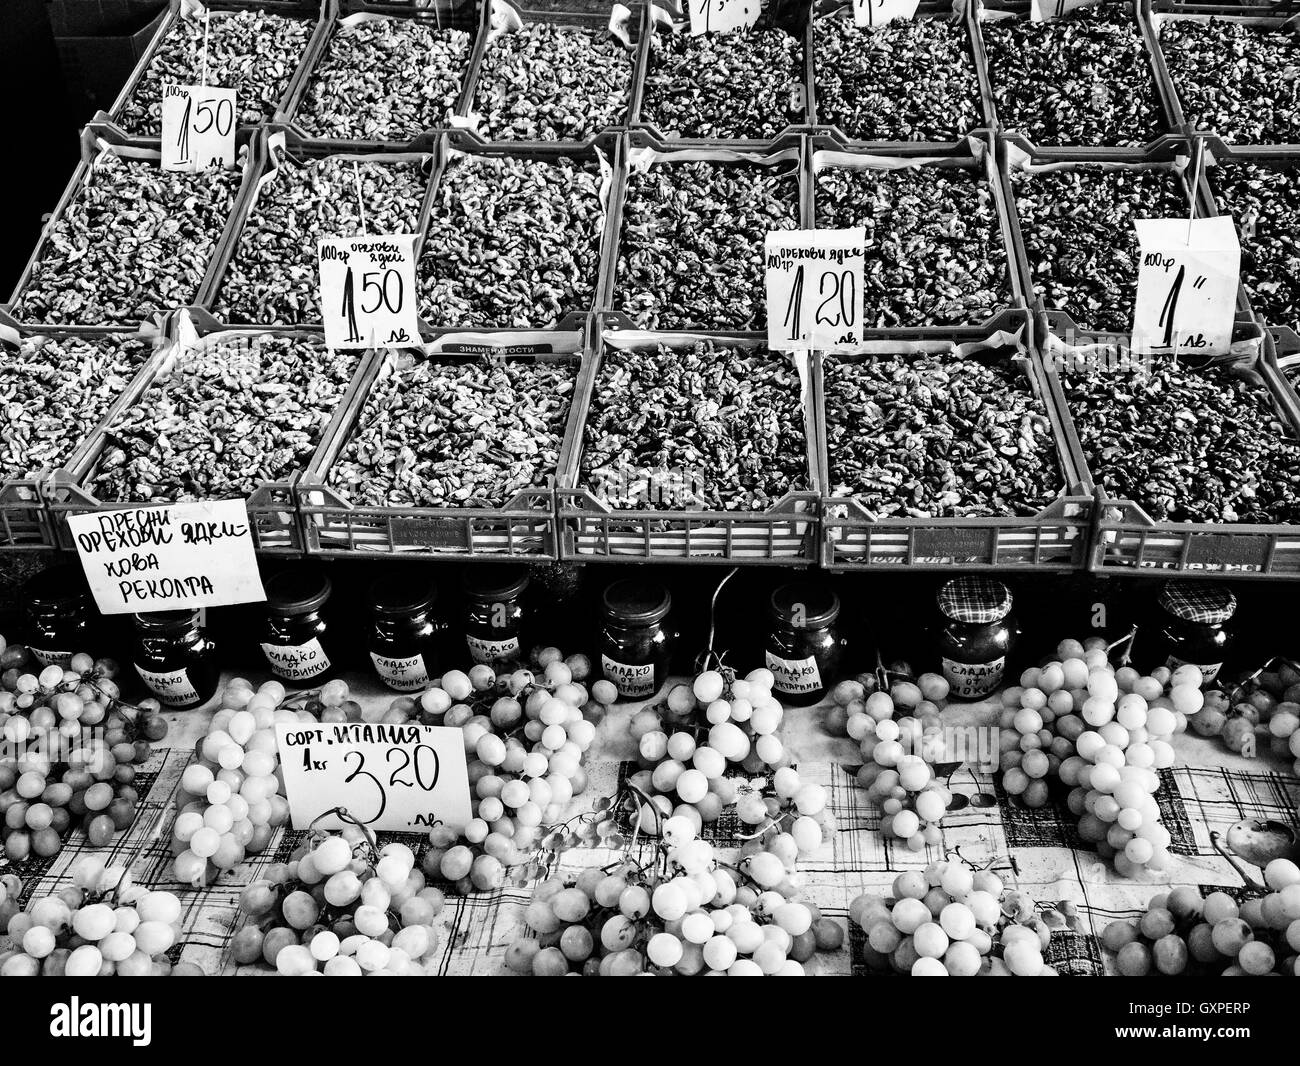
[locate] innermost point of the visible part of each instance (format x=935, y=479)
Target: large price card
x=1187, y=285
x=814, y=289
x=367, y=291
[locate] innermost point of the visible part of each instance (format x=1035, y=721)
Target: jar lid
x=636, y=601
x=1207, y=604
x=400, y=594
x=56, y=587
x=167, y=619
x=805, y=605
x=978, y=600
x=299, y=590
x=493, y=582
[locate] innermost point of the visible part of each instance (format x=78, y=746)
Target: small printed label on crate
x=51, y=658
x=814, y=285
x=722, y=16
x=634, y=682
x=794, y=676
x=297, y=662
x=872, y=13
x=432, y=533
x=173, y=688
x=1209, y=671
x=955, y=545
x=405, y=674
x=1227, y=551
x=198, y=127
x=492, y=651
x=367, y=291
x=972, y=680
x=495, y=350
x=1188, y=271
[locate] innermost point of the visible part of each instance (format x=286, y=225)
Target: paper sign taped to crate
x=1187, y=286
x=367, y=291
x=882, y=12
x=814, y=288
x=722, y=16
x=198, y=127
x=170, y=558
x=400, y=778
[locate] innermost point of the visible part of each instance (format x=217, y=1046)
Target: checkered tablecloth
x=1038, y=851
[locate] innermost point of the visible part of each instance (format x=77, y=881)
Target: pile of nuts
x=938, y=436
x=725, y=419
x=1083, y=79
x=1237, y=80
x=934, y=246
x=552, y=83
x=134, y=240
x=691, y=248
x=512, y=242
x=54, y=391
x=223, y=420
x=273, y=277
x=909, y=80
x=385, y=79
x=253, y=52
x=1264, y=199
x=1078, y=230
x=456, y=434
x=1188, y=444
x=724, y=85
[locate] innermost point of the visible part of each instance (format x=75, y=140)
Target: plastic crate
x=591, y=530
x=1054, y=539
x=524, y=527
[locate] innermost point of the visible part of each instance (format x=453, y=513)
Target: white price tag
x=198, y=127
x=170, y=558
x=1187, y=285
x=403, y=778
x=882, y=12
x=722, y=16
x=814, y=288
x=367, y=291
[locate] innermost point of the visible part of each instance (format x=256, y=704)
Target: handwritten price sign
x=1187, y=285
x=814, y=289
x=403, y=778
x=722, y=16
x=198, y=127
x=882, y=12
x=367, y=291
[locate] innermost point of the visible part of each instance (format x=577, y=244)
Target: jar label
x=631, y=681
x=794, y=676
x=172, y=688
x=492, y=651
x=51, y=658
x=1209, y=671
x=969, y=680
x=402, y=674
x=297, y=662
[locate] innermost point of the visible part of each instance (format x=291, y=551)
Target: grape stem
x=1128, y=650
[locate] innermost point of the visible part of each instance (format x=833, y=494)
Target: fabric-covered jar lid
x=975, y=600
x=1206, y=604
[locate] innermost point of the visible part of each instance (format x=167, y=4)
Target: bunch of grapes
x=341, y=906
x=900, y=753
x=741, y=715
x=231, y=798
x=1269, y=701
x=101, y=925
x=68, y=751
x=951, y=921
x=1183, y=933
x=687, y=913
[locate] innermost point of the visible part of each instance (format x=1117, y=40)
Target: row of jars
x=976, y=631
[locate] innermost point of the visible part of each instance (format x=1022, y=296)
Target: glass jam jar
x=59, y=610
x=295, y=639
x=175, y=659
x=635, y=647
x=978, y=635
x=403, y=635
x=494, y=616
x=1192, y=629
x=803, y=648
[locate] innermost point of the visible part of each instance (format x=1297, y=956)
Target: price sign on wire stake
x=180, y=556
x=1187, y=285
x=722, y=16
x=367, y=291
x=403, y=778
x=882, y=12
x=198, y=127
x=814, y=288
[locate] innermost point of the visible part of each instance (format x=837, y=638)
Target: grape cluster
x=1270, y=701
x=69, y=749
x=101, y=925
x=341, y=906
x=1183, y=933
x=951, y=921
